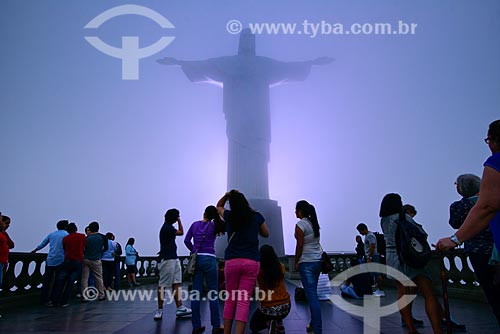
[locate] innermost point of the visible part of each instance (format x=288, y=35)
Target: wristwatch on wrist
x=455, y=240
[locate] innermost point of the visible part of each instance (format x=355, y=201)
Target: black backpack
x=380, y=245
x=411, y=243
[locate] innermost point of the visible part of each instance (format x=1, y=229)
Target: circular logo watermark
x=90, y=293
x=371, y=311
x=234, y=27
x=130, y=53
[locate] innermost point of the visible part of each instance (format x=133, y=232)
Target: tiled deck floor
x=127, y=317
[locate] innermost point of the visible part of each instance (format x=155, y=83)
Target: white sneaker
x=379, y=293
x=182, y=311
x=158, y=314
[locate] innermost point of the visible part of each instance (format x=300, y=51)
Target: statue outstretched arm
x=170, y=61
x=322, y=61
x=282, y=72
x=208, y=70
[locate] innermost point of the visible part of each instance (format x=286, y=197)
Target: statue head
x=247, y=43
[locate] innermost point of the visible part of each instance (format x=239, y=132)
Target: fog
x=402, y=113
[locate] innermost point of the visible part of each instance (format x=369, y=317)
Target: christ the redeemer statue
x=246, y=79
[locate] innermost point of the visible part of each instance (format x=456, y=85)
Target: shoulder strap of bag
x=402, y=217
x=231, y=238
x=204, y=236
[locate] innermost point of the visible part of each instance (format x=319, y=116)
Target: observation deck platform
x=22, y=313
x=134, y=317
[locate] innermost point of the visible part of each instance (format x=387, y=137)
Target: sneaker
x=182, y=311
x=379, y=293
x=218, y=330
x=158, y=314
x=272, y=327
x=49, y=304
x=455, y=325
x=65, y=305
x=416, y=323
x=199, y=330
x=137, y=284
x=78, y=295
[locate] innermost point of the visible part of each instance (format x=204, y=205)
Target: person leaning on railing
x=487, y=209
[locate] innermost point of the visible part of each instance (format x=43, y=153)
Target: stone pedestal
x=272, y=213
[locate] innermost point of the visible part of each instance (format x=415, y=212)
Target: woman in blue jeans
x=308, y=259
x=203, y=233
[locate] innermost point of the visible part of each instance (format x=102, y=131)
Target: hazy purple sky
x=404, y=114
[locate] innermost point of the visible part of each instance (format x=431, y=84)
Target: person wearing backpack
x=456, y=326
x=391, y=210
x=108, y=261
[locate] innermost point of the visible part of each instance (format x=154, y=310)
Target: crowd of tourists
x=94, y=258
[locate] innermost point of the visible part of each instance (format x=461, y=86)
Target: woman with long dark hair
x=274, y=298
x=203, y=233
x=131, y=255
x=308, y=259
x=243, y=226
x=390, y=210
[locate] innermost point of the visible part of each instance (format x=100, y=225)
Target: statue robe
x=246, y=80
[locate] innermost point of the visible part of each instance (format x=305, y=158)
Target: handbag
x=326, y=264
x=191, y=265
x=300, y=294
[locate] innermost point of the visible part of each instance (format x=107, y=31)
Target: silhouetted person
x=170, y=265
x=360, y=248
x=6, y=244
x=73, y=244
x=55, y=259
x=96, y=245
